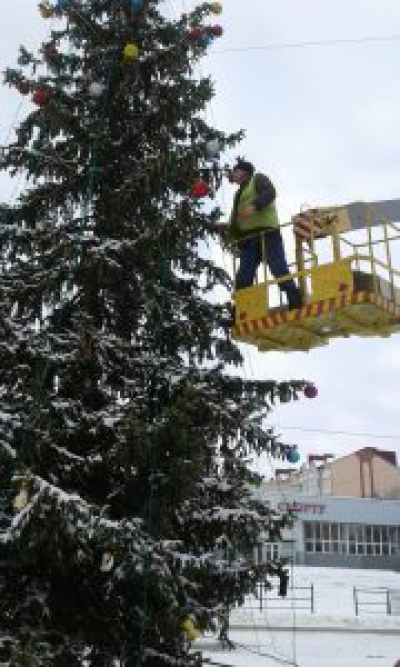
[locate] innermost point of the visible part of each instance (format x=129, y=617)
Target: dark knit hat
x=244, y=166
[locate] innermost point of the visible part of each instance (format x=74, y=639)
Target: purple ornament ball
x=310, y=391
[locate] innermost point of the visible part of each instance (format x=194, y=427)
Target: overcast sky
x=323, y=121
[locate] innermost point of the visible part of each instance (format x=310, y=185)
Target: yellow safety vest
x=262, y=220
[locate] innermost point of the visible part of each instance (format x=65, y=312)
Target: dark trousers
x=250, y=258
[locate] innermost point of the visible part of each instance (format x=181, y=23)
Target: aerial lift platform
x=345, y=267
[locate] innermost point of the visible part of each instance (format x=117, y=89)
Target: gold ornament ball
x=22, y=498
x=191, y=631
x=46, y=10
x=131, y=51
x=217, y=8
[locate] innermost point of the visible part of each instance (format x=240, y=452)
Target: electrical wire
x=275, y=46
x=326, y=431
x=282, y=493
x=293, y=604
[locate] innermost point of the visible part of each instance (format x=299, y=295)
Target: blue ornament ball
x=205, y=40
x=293, y=455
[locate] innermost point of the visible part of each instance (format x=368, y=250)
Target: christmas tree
x=127, y=509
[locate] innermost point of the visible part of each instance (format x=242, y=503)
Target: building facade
x=366, y=473
x=336, y=532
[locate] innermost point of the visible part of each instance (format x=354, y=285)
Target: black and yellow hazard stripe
x=246, y=328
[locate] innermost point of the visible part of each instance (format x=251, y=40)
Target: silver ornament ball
x=212, y=148
x=96, y=89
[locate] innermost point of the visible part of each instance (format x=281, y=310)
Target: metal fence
x=376, y=600
x=297, y=597
x=367, y=600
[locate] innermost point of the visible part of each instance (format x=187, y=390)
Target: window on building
x=270, y=551
x=267, y=551
x=376, y=535
x=354, y=539
x=394, y=540
x=360, y=534
x=308, y=530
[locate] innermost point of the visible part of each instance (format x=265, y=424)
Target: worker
x=223, y=634
x=253, y=223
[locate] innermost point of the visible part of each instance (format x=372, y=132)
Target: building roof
x=386, y=454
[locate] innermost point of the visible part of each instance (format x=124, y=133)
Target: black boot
x=295, y=300
x=295, y=303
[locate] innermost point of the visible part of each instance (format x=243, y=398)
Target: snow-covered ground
x=268, y=649
x=333, y=601
x=332, y=636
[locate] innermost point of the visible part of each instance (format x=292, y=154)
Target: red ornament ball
x=195, y=33
x=23, y=87
x=217, y=31
x=310, y=391
x=199, y=189
x=51, y=53
x=41, y=97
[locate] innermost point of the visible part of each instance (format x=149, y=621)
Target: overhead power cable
x=365, y=434
x=275, y=46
